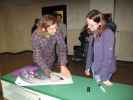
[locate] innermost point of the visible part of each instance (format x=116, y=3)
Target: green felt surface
x=78, y=90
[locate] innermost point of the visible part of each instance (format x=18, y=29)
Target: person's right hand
x=65, y=71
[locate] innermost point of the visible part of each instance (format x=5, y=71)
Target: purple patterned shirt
x=44, y=50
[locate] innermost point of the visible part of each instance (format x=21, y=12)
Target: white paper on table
x=50, y=81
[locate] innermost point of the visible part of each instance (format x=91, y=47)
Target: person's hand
x=87, y=73
x=65, y=71
x=47, y=72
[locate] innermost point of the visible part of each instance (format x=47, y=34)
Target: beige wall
x=2, y=30
x=124, y=45
x=16, y=21
x=76, y=20
x=124, y=21
x=102, y=5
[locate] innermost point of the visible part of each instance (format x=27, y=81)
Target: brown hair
x=46, y=21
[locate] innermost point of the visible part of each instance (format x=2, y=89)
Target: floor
x=10, y=61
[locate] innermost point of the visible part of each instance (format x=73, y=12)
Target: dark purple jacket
x=104, y=53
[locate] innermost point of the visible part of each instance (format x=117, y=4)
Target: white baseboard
x=130, y=59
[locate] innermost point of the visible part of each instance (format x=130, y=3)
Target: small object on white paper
x=56, y=79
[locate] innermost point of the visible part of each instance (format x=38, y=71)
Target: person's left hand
x=87, y=73
x=65, y=71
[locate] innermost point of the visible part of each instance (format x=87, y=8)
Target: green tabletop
x=78, y=90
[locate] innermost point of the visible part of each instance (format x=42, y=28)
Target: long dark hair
x=98, y=17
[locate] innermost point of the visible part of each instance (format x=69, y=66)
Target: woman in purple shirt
x=44, y=42
x=104, y=63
